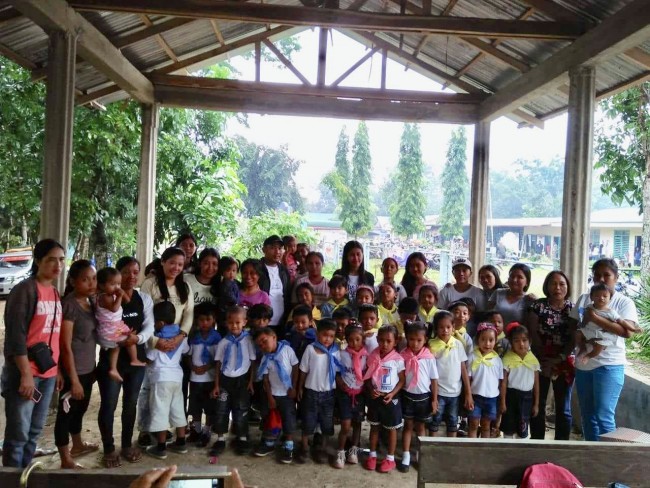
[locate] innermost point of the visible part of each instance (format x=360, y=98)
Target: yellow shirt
x=386, y=316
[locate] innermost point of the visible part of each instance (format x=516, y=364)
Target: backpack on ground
x=549, y=475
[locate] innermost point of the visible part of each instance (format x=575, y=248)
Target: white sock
x=406, y=458
x=221, y=437
x=390, y=457
x=243, y=438
x=373, y=454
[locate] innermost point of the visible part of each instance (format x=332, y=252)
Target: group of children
x=405, y=365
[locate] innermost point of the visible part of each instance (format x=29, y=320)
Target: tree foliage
x=247, y=242
x=407, y=208
x=197, y=184
x=360, y=219
x=455, y=185
x=623, y=150
x=268, y=174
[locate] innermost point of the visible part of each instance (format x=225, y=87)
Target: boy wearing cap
x=275, y=281
x=461, y=268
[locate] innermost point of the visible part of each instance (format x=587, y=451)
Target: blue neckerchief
x=273, y=356
x=334, y=364
x=236, y=343
x=169, y=331
x=211, y=340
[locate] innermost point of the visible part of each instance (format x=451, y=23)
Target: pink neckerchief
x=375, y=362
x=356, y=361
x=411, y=363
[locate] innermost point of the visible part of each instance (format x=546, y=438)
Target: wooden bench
x=104, y=478
x=502, y=462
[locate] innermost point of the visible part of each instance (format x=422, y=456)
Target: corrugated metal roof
x=446, y=53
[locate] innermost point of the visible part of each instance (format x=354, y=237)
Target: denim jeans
x=598, y=392
x=25, y=419
x=109, y=391
x=562, y=396
x=234, y=399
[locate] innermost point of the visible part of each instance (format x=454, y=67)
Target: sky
x=313, y=139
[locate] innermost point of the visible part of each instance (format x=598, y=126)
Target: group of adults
x=36, y=317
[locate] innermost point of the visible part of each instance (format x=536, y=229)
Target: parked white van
x=14, y=268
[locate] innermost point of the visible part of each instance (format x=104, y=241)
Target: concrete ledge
x=633, y=405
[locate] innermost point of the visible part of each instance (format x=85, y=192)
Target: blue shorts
x=388, y=416
x=484, y=408
x=417, y=407
x=346, y=409
x=447, y=411
x=317, y=407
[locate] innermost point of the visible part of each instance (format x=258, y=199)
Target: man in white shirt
x=276, y=282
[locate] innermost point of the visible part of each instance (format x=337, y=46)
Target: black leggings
x=70, y=423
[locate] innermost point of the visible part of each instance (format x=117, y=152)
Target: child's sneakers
x=287, y=456
x=339, y=462
x=353, y=455
x=194, y=436
x=204, y=439
x=403, y=468
x=263, y=449
x=242, y=447
x=155, y=452
x=386, y=466
x=218, y=447
x=371, y=463
x=177, y=448
x=301, y=456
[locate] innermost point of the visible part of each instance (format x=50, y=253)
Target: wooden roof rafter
x=343, y=19
x=627, y=28
x=92, y=45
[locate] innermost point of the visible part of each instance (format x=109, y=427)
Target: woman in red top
x=32, y=316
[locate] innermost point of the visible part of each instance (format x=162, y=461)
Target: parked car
x=14, y=268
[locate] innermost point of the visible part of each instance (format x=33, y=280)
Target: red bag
x=549, y=475
x=273, y=422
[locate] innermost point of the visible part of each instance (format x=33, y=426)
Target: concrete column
x=59, y=117
x=147, y=188
x=576, y=202
x=479, y=196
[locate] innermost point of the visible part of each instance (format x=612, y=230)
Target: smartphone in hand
x=36, y=396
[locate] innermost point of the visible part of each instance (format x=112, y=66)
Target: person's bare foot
x=70, y=464
x=137, y=363
x=114, y=375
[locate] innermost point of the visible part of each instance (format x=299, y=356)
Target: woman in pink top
x=251, y=294
x=33, y=318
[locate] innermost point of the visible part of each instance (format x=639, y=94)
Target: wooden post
x=576, y=201
x=258, y=61
x=147, y=187
x=322, y=56
x=479, y=196
x=384, y=58
x=59, y=118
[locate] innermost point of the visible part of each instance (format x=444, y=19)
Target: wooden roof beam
x=268, y=98
x=345, y=19
x=191, y=61
x=627, y=28
x=288, y=64
x=450, y=6
x=348, y=72
x=92, y=45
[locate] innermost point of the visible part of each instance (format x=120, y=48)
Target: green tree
x=22, y=121
x=326, y=202
x=247, y=241
x=455, y=186
x=360, y=219
x=623, y=150
x=268, y=174
x=407, y=210
x=383, y=196
x=338, y=180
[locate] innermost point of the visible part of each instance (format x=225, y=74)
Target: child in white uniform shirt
x=349, y=394
x=165, y=377
x=203, y=341
x=233, y=381
x=486, y=373
x=420, y=392
x=383, y=381
x=279, y=370
x=452, y=374
x=368, y=316
x=520, y=388
x=316, y=386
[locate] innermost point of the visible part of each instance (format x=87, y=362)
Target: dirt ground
x=261, y=472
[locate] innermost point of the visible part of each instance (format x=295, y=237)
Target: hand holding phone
x=36, y=396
